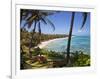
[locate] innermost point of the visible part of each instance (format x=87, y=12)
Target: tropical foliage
x=37, y=17
x=32, y=57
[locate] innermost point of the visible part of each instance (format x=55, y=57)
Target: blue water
x=78, y=43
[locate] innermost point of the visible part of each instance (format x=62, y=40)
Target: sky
x=62, y=20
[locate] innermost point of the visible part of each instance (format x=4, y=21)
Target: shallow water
x=78, y=43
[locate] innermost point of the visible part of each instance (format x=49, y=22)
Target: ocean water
x=78, y=43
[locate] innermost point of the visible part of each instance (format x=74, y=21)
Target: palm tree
x=36, y=17
x=70, y=34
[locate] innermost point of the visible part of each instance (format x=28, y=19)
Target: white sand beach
x=43, y=44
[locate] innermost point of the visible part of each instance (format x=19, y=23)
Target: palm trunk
x=69, y=38
x=30, y=45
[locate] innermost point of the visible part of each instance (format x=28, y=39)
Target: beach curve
x=45, y=43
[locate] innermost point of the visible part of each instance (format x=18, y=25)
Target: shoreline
x=45, y=43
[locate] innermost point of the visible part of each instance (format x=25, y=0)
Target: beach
x=60, y=44
x=45, y=43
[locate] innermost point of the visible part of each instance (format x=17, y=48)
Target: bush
x=81, y=59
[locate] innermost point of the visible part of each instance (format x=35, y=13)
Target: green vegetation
x=42, y=58
x=32, y=57
x=37, y=17
x=49, y=59
x=26, y=36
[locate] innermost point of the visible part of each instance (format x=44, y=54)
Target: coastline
x=45, y=43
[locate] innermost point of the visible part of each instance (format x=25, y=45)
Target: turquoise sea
x=78, y=43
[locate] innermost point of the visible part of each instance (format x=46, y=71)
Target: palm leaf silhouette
x=84, y=19
x=51, y=24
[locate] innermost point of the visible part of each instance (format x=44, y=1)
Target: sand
x=45, y=43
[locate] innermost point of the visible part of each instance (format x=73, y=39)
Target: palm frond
x=26, y=23
x=51, y=24
x=84, y=19
x=31, y=18
x=30, y=24
x=48, y=12
x=36, y=15
x=24, y=13
x=43, y=20
x=34, y=26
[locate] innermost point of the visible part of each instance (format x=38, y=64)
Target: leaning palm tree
x=70, y=33
x=36, y=17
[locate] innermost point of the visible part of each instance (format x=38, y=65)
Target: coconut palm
x=35, y=17
x=70, y=33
